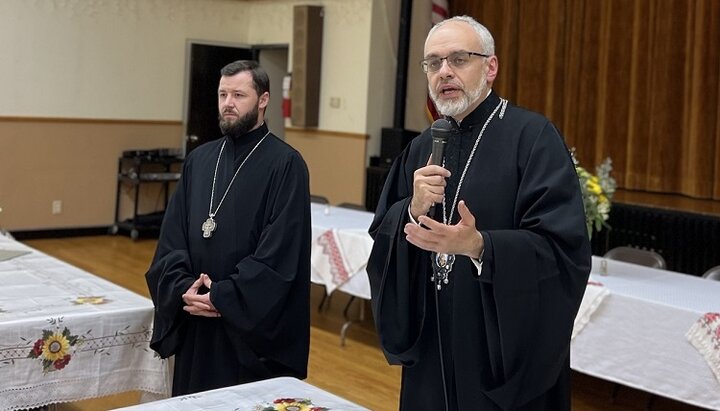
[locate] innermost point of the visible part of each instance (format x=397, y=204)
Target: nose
x=445, y=69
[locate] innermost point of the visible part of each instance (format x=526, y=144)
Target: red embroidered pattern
x=711, y=321
x=331, y=249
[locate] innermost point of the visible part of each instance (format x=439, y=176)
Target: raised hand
x=460, y=239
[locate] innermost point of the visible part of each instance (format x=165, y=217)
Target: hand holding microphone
x=429, y=181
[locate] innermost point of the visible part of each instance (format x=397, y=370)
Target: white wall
x=125, y=59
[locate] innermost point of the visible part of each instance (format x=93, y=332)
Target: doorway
x=204, y=62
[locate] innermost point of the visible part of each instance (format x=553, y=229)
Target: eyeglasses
x=457, y=59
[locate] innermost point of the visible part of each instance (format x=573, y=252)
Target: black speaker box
x=306, y=62
x=393, y=142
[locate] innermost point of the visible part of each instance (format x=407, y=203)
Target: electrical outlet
x=335, y=102
x=57, y=206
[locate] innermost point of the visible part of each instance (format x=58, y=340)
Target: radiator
x=689, y=242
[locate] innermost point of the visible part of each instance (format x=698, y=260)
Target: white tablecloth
x=341, y=246
x=66, y=335
x=637, y=336
x=267, y=395
x=631, y=329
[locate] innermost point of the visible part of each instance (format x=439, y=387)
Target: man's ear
x=264, y=100
x=493, y=66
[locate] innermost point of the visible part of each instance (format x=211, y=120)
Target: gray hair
x=261, y=81
x=486, y=39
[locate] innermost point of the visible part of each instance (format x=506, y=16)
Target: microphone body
x=440, y=132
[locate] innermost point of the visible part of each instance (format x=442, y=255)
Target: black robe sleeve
x=170, y=273
x=397, y=277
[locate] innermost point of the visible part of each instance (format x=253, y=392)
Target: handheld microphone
x=440, y=132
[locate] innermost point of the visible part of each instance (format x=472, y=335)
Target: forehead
x=450, y=37
x=239, y=81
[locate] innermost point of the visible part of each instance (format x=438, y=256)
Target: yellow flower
x=597, y=191
x=292, y=406
x=55, y=347
x=594, y=187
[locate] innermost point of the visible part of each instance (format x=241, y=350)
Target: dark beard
x=240, y=126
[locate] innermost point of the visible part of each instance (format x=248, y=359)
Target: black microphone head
x=441, y=129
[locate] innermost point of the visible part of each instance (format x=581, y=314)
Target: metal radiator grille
x=689, y=242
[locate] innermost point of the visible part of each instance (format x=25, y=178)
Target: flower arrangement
x=597, y=192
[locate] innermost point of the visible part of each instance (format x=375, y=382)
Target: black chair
x=638, y=256
x=713, y=273
x=319, y=199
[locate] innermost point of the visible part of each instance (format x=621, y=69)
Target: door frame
x=276, y=88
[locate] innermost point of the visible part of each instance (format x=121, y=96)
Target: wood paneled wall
x=635, y=80
x=335, y=160
x=75, y=161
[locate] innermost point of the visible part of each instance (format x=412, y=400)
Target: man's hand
x=428, y=188
x=460, y=239
x=199, y=304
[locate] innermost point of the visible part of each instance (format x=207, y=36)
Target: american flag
x=439, y=13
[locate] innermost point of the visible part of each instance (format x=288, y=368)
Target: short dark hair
x=261, y=81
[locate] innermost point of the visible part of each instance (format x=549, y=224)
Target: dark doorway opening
x=201, y=99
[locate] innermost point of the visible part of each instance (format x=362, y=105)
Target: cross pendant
x=208, y=227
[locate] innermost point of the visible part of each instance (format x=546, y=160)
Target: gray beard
x=454, y=107
x=241, y=126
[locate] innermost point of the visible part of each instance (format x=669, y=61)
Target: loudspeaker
x=306, y=61
x=393, y=142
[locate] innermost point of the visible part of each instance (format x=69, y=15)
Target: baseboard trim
x=59, y=233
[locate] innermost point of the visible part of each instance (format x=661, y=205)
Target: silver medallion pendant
x=208, y=227
x=442, y=264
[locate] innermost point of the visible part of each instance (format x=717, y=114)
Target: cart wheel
x=134, y=234
x=114, y=229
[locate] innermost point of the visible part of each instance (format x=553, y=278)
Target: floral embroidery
x=53, y=349
x=291, y=404
x=92, y=300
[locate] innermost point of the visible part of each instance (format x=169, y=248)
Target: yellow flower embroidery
x=55, y=347
x=293, y=406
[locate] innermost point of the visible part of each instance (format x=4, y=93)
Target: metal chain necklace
x=442, y=263
x=209, y=226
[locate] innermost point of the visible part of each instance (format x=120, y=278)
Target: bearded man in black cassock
x=477, y=301
x=231, y=275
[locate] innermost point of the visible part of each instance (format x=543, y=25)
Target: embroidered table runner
x=595, y=293
x=338, y=255
x=705, y=336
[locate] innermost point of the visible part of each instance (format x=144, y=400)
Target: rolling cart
x=137, y=168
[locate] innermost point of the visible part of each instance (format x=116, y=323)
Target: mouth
x=450, y=91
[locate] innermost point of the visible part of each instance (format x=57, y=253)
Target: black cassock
x=258, y=259
x=506, y=333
